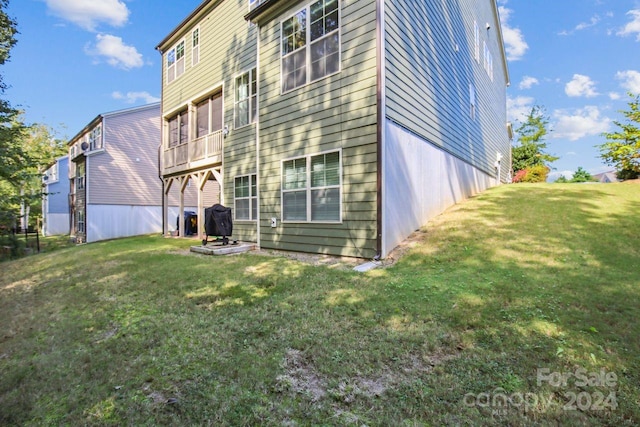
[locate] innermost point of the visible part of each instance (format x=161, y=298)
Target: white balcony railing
x=203, y=148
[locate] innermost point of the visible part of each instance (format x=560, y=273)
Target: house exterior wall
x=227, y=49
x=337, y=112
x=445, y=109
x=56, y=200
x=125, y=172
x=430, y=64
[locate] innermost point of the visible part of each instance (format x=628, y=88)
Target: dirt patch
x=300, y=377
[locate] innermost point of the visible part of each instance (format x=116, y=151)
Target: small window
x=246, y=198
x=80, y=176
x=476, y=38
x=80, y=221
x=245, y=99
x=175, y=62
x=311, y=188
x=195, y=46
x=472, y=101
x=95, y=138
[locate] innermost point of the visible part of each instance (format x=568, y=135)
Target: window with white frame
x=246, y=198
x=52, y=173
x=80, y=221
x=310, y=42
x=472, y=101
x=195, y=46
x=178, y=129
x=80, y=176
x=175, y=62
x=476, y=38
x=245, y=99
x=95, y=138
x=488, y=61
x=209, y=115
x=311, y=188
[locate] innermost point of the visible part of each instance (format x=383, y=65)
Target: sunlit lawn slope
x=496, y=300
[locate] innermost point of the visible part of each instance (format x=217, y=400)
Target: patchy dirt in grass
x=300, y=377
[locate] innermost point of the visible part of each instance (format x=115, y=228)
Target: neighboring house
x=335, y=126
x=115, y=185
x=55, y=203
x=606, y=177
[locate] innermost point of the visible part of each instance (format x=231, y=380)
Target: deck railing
x=205, y=147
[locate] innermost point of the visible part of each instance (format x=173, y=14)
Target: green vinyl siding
x=337, y=112
x=227, y=49
x=430, y=63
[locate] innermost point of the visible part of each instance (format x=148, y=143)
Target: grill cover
x=218, y=221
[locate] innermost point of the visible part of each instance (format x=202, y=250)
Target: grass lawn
x=517, y=307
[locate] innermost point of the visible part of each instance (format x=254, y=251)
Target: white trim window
x=80, y=176
x=175, y=62
x=488, y=61
x=245, y=99
x=472, y=101
x=95, y=138
x=310, y=43
x=81, y=228
x=52, y=173
x=209, y=115
x=178, y=129
x=312, y=187
x=195, y=46
x=245, y=198
x=476, y=38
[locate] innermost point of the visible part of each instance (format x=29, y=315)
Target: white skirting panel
x=56, y=223
x=420, y=181
x=114, y=221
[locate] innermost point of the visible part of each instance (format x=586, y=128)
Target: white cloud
x=630, y=80
x=582, y=26
x=89, y=13
x=614, y=96
x=133, y=97
x=527, y=82
x=518, y=108
x=582, y=122
x=581, y=86
x=117, y=53
x=514, y=42
x=632, y=27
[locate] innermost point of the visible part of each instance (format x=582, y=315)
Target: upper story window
x=95, y=138
x=195, y=46
x=175, y=62
x=209, y=115
x=80, y=174
x=178, y=129
x=476, y=41
x=52, y=174
x=310, y=42
x=488, y=61
x=245, y=99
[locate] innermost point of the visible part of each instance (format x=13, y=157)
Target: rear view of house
x=55, y=203
x=335, y=126
x=115, y=190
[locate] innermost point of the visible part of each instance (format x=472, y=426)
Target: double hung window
x=246, y=198
x=245, y=99
x=310, y=44
x=311, y=188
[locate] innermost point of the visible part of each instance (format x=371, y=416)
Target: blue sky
x=576, y=58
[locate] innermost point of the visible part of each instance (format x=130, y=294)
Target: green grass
x=521, y=278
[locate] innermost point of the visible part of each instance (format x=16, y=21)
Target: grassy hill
x=517, y=307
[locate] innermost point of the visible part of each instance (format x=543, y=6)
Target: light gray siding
x=126, y=172
x=429, y=65
x=336, y=112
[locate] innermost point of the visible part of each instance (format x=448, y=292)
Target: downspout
x=380, y=127
x=257, y=130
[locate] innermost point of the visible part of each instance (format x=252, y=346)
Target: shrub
x=536, y=173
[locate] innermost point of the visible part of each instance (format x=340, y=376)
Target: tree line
x=621, y=149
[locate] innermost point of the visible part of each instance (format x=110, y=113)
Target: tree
x=530, y=151
x=581, y=175
x=622, y=148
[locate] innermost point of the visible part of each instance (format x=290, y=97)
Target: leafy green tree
x=561, y=180
x=581, y=175
x=622, y=148
x=530, y=149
